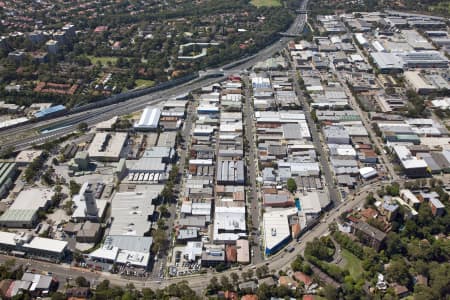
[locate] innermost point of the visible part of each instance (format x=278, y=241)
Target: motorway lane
x=104, y=113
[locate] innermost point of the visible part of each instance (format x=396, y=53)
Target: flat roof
x=8, y=238
x=107, y=145
x=276, y=226
x=130, y=243
x=242, y=249
x=45, y=244
x=229, y=223
x=34, y=198
x=131, y=211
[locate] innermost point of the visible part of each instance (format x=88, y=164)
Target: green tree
x=398, y=272
x=82, y=127
x=82, y=282
x=74, y=187
x=291, y=185
x=234, y=277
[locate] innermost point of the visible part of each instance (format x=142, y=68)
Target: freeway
x=25, y=136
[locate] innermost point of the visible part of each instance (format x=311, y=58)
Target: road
x=366, y=122
x=326, y=170
x=279, y=261
x=20, y=138
x=253, y=207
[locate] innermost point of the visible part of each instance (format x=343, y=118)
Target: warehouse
x=107, y=146
x=418, y=83
x=7, y=173
x=33, y=247
x=229, y=224
x=138, y=205
x=368, y=172
x=424, y=59
x=230, y=172
x=149, y=119
x=387, y=62
x=336, y=135
x=276, y=229
x=124, y=250
x=44, y=248
x=24, y=210
x=412, y=166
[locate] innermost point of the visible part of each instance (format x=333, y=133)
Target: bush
x=347, y=243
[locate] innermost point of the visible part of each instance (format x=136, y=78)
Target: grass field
x=269, y=3
x=102, y=59
x=353, y=264
x=142, y=83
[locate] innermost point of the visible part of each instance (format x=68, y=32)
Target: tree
x=83, y=126
x=225, y=282
x=291, y=185
x=250, y=273
x=234, y=277
x=330, y=292
x=58, y=296
x=213, y=286
x=74, y=187
x=262, y=271
x=398, y=272
x=82, y=282
x=163, y=210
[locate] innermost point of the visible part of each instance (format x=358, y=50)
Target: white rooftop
x=45, y=244
x=276, y=226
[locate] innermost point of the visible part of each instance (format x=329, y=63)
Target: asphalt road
x=20, y=138
x=279, y=261
x=326, y=170
x=253, y=207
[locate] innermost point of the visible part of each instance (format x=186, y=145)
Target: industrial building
x=33, y=247
x=418, y=83
x=85, y=205
x=107, y=146
x=229, y=224
x=137, y=205
x=7, y=172
x=154, y=161
x=23, y=212
x=276, y=229
x=124, y=250
x=149, y=119
x=230, y=172
x=412, y=166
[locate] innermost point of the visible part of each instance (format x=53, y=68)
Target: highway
x=24, y=136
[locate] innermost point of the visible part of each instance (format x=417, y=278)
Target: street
x=253, y=208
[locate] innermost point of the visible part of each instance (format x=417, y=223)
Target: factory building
x=149, y=119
